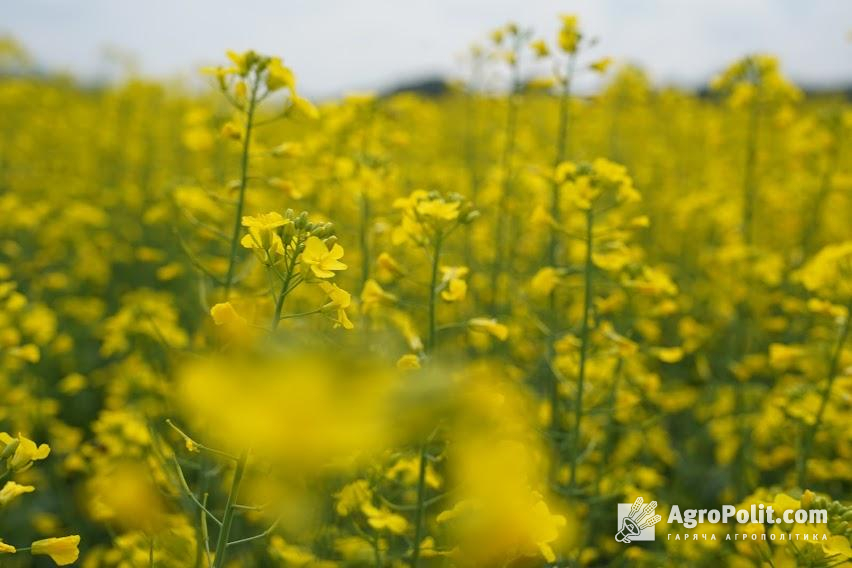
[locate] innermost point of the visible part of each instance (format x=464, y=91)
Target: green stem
x=811, y=227
x=244, y=166
x=584, y=347
x=364, y=231
x=811, y=433
x=740, y=463
x=433, y=294
x=610, y=433
x=230, y=509
x=418, y=514
x=279, y=303
x=471, y=160
x=561, y=149
x=501, y=228
x=750, y=177
x=555, y=245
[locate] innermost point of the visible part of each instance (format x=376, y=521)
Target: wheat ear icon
x=638, y=519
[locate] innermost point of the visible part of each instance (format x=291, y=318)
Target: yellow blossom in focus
x=25, y=453
x=320, y=260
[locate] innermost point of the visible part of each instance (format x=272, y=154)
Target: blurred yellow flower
x=12, y=490
x=225, y=314
x=63, y=551
x=491, y=326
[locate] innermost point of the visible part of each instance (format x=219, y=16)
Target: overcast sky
x=339, y=45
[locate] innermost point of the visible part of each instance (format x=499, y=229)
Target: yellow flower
x=262, y=235
x=783, y=357
x=242, y=61
x=540, y=48
x=279, y=76
x=225, y=314
x=352, y=497
x=265, y=221
x=6, y=548
x=25, y=452
x=12, y=490
x=601, y=65
x=438, y=209
x=340, y=299
x=304, y=107
x=667, y=354
x=544, y=529
x=374, y=295
x=72, y=384
x=456, y=288
x=829, y=272
x=407, y=471
x=321, y=260
x=569, y=34
x=825, y=308
x=381, y=519
x=29, y=353
x=292, y=555
x=62, y=550
x=544, y=281
x=232, y=131
x=408, y=362
x=286, y=186
x=388, y=266
x=489, y=325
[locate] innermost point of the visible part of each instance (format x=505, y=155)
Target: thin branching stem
x=244, y=167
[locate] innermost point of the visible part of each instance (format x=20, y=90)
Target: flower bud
x=9, y=450
x=287, y=232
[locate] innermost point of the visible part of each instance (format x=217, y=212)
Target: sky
x=335, y=46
